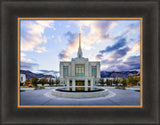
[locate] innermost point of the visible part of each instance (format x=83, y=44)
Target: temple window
x=79, y=70
x=65, y=71
x=94, y=71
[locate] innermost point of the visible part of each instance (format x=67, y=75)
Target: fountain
x=79, y=92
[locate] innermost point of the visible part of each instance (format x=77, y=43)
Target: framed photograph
x=113, y=63
x=87, y=62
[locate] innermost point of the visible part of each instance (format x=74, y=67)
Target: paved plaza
x=42, y=97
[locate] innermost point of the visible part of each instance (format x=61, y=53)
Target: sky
x=44, y=43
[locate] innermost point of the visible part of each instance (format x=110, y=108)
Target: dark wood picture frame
x=12, y=9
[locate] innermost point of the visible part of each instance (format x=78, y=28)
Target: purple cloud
x=119, y=44
x=121, y=52
x=28, y=65
x=99, y=56
x=62, y=54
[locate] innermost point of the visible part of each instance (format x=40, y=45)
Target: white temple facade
x=79, y=72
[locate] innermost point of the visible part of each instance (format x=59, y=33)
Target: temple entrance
x=80, y=83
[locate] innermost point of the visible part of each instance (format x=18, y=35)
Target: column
x=73, y=85
x=92, y=84
x=98, y=71
x=67, y=84
x=61, y=70
x=86, y=84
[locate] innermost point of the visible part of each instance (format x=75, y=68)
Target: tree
x=35, y=80
x=133, y=80
x=27, y=81
x=57, y=81
x=43, y=81
x=124, y=82
x=101, y=81
x=107, y=82
x=137, y=79
x=115, y=80
x=51, y=82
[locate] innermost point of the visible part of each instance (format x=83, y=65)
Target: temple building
x=79, y=72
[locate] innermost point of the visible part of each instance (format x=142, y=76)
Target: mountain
x=30, y=75
x=123, y=74
x=104, y=74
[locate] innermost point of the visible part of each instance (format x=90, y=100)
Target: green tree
x=133, y=80
x=115, y=80
x=50, y=81
x=43, y=81
x=101, y=81
x=27, y=81
x=57, y=81
x=107, y=82
x=110, y=82
x=35, y=80
x=124, y=82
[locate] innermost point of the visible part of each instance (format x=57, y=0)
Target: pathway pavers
x=122, y=97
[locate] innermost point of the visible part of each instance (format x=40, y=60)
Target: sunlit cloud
x=41, y=49
x=32, y=35
x=135, y=48
x=71, y=47
x=67, y=26
x=23, y=58
x=98, y=33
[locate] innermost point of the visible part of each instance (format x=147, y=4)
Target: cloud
x=49, y=72
x=67, y=26
x=98, y=31
x=71, y=46
x=28, y=65
x=32, y=35
x=23, y=58
x=130, y=29
x=46, y=71
x=121, y=52
x=63, y=55
x=132, y=60
x=110, y=61
x=41, y=49
x=135, y=48
x=99, y=56
x=119, y=44
x=116, y=58
x=131, y=63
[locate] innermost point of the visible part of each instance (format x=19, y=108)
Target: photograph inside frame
x=80, y=62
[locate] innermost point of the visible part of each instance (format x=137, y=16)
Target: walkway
x=122, y=97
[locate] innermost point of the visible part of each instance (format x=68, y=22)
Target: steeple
x=79, y=54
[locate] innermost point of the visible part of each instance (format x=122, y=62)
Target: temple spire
x=79, y=54
x=79, y=40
